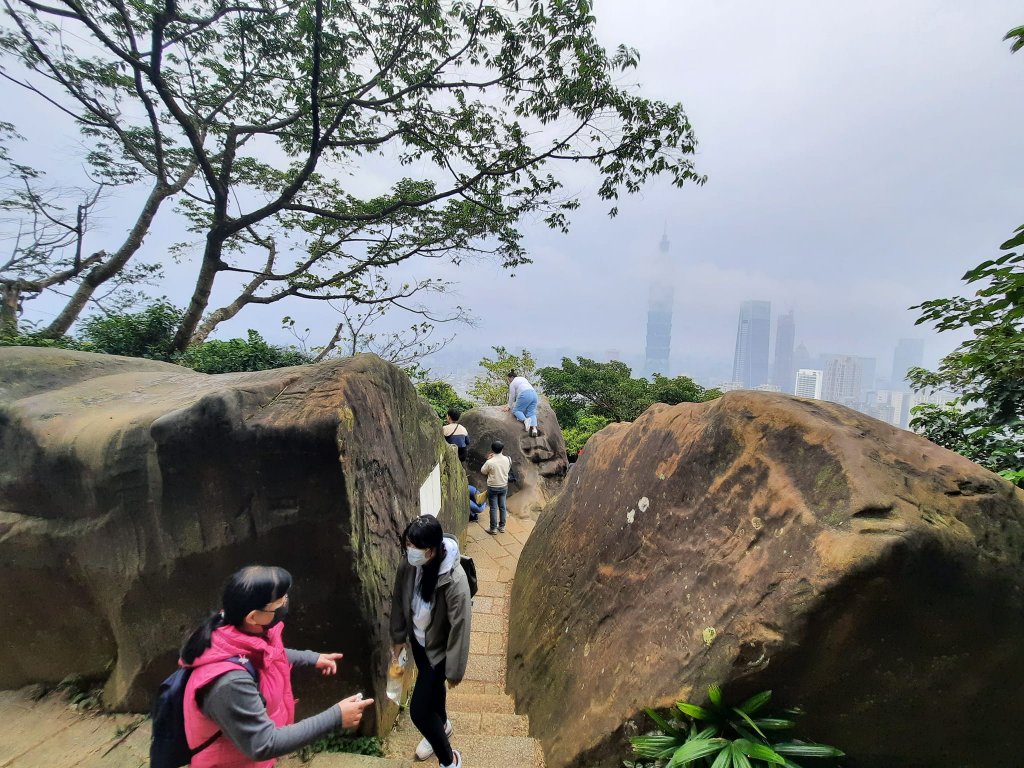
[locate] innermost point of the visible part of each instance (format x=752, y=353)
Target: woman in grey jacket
x=431, y=610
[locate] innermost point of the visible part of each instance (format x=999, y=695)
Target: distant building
x=909, y=354
x=808, y=383
x=801, y=358
x=784, y=369
x=768, y=388
x=730, y=386
x=885, y=405
x=659, y=314
x=843, y=381
x=750, y=362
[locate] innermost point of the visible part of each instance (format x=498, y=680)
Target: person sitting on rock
x=522, y=401
x=237, y=720
x=456, y=434
x=496, y=469
x=474, y=508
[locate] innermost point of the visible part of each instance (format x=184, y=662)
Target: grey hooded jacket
x=450, y=615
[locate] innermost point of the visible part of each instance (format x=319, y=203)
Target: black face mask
x=280, y=614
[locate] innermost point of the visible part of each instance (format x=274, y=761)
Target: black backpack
x=169, y=747
x=470, y=568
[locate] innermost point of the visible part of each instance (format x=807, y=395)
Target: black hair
x=511, y=374
x=497, y=446
x=425, y=532
x=247, y=590
x=454, y=413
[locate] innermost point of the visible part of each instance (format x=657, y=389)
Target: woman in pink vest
x=233, y=720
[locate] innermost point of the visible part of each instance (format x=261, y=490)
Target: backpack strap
x=245, y=664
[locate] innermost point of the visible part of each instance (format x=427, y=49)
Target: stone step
x=342, y=760
x=468, y=701
x=479, y=750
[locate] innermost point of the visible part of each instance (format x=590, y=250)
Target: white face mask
x=416, y=556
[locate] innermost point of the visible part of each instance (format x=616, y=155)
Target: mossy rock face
x=130, y=490
x=763, y=541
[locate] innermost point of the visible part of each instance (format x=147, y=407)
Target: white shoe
x=526, y=425
x=424, y=750
x=457, y=762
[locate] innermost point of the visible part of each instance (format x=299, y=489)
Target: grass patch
x=338, y=741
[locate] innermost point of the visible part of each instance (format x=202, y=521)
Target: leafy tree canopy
x=442, y=396
x=254, y=116
x=491, y=387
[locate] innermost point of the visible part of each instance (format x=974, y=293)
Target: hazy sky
x=861, y=156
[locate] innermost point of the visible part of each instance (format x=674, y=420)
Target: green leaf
x=654, y=746
x=774, y=723
x=715, y=694
x=697, y=713
x=746, y=717
x=723, y=760
x=756, y=702
x=759, y=751
x=696, y=749
x=805, y=749
x=661, y=722
x=739, y=759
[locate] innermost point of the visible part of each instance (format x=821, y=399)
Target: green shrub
x=148, y=334
x=234, y=355
x=338, y=741
x=723, y=736
x=442, y=396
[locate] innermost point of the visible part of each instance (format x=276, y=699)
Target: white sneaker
x=526, y=425
x=457, y=762
x=424, y=750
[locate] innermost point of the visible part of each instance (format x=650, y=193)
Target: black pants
x=427, y=706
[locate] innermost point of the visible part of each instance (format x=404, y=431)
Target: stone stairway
x=48, y=733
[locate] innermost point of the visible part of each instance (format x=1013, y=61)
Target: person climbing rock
x=456, y=434
x=431, y=610
x=237, y=720
x=522, y=402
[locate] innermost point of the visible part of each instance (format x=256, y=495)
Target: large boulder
x=764, y=541
x=130, y=490
x=539, y=462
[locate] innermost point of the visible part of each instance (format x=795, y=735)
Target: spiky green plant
x=724, y=736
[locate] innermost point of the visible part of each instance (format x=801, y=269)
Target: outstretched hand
x=352, y=710
x=328, y=663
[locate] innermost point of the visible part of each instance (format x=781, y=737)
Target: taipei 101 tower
x=659, y=313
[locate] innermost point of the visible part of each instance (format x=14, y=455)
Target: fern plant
x=724, y=736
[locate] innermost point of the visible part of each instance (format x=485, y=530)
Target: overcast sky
x=861, y=156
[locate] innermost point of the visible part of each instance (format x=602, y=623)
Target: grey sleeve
x=233, y=702
x=302, y=658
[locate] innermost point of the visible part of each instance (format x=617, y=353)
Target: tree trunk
x=110, y=268
x=217, y=317
x=10, y=294
x=201, y=295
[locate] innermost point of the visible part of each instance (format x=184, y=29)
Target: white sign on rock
x=430, y=493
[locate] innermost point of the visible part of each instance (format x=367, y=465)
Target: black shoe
x=473, y=517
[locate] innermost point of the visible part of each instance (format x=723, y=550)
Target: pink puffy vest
x=268, y=656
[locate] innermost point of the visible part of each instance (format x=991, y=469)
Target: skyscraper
x=843, y=380
x=808, y=383
x=659, y=314
x=783, y=369
x=750, y=363
x=909, y=354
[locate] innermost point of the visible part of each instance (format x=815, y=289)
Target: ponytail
x=201, y=638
